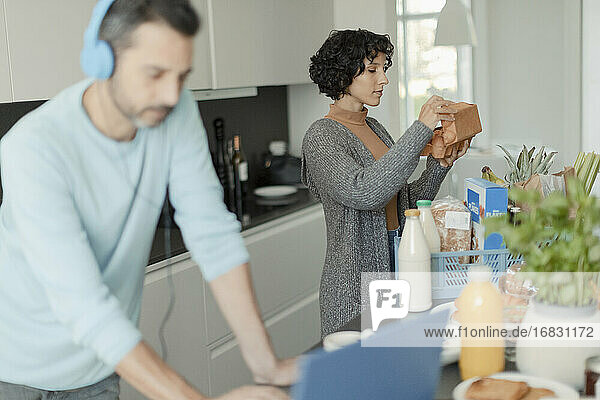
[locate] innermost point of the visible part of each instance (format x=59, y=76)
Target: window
x=425, y=70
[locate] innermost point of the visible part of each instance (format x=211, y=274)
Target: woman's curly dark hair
x=341, y=58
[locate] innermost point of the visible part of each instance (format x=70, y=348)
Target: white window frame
x=464, y=68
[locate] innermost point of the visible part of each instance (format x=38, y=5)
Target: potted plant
x=557, y=238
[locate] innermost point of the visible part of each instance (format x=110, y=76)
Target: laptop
x=361, y=372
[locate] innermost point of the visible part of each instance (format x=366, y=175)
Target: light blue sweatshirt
x=76, y=226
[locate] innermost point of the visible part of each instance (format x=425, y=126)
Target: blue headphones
x=97, y=58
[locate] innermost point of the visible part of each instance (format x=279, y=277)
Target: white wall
x=590, y=71
x=306, y=105
x=533, y=66
x=527, y=75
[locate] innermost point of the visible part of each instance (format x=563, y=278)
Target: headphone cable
x=167, y=239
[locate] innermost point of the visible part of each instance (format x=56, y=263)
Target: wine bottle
x=240, y=175
x=220, y=158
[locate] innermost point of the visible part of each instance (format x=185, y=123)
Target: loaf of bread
x=453, y=222
x=538, y=393
x=496, y=389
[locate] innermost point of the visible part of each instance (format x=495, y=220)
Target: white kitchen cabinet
x=241, y=43
x=201, y=76
x=293, y=331
x=267, y=42
x=184, y=332
x=286, y=260
x=5, y=86
x=45, y=39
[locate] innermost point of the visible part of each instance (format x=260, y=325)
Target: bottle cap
x=480, y=273
x=411, y=212
x=593, y=364
x=423, y=203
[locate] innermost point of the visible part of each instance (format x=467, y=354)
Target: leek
x=589, y=183
x=578, y=162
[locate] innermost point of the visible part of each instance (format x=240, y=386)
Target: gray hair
x=124, y=16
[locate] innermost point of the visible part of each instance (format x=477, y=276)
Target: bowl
x=337, y=340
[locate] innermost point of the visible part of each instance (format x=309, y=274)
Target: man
x=84, y=178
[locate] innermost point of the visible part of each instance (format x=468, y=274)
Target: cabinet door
x=286, y=261
x=267, y=42
x=45, y=39
x=201, y=77
x=5, y=88
x=293, y=332
x=184, y=331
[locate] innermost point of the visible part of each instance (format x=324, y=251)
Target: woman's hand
x=447, y=162
x=436, y=110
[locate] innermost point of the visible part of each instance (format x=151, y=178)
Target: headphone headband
x=97, y=58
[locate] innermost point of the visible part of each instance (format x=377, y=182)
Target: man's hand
x=152, y=377
x=255, y=393
x=284, y=373
x=447, y=162
x=234, y=294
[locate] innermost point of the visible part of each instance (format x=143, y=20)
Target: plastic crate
x=450, y=276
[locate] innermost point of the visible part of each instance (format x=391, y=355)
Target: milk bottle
x=414, y=262
x=429, y=228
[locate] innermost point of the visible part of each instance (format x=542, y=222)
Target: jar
x=592, y=372
x=512, y=215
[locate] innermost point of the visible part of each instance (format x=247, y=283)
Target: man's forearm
x=151, y=376
x=235, y=297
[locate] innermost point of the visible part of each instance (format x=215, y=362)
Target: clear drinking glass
x=516, y=295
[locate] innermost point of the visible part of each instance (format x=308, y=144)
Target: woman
x=351, y=164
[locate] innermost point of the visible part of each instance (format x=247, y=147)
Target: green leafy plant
x=555, y=234
x=527, y=164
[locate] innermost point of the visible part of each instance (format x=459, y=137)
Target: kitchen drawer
x=293, y=332
x=184, y=332
x=286, y=263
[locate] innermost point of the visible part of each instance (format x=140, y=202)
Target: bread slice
x=538, y=393
x=496, y=389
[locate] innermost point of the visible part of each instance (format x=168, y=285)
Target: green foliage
x=555, y=234
x=527, y=164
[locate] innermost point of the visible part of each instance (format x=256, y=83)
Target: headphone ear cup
x=98, y=60
x=106, y=60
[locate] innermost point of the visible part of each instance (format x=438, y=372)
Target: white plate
x=560, y=390
x=450, y=347
x=337, y=340
x=275, y=191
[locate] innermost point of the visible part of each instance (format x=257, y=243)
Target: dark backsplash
x=259, y=120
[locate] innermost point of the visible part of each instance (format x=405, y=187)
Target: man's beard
x=134, y=117
x=140, y=123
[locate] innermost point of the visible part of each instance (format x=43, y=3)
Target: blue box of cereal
x=485, y=199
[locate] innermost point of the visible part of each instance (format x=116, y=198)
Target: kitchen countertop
x=255, y=215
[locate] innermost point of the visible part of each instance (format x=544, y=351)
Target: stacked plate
x=277, y=195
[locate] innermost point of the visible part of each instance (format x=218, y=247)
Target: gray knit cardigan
x=354, y=188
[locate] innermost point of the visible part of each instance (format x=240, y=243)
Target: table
x=450, y=374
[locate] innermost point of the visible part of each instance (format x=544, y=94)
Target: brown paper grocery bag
x=465, y=125
x=545, y=184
